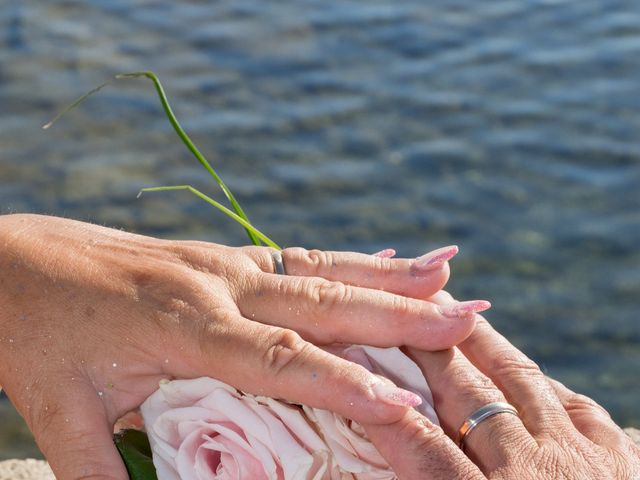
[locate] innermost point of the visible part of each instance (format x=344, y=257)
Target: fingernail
x=395, y=396
x=432, y=260
x=386, y=253
x=463, y=309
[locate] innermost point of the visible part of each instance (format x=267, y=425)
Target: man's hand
x=559, y=435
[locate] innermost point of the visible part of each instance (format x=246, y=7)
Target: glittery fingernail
x=386, y=253
x=463, y=309
x=433, y=260
x=395, y=396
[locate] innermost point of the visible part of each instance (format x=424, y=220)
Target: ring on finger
x=479, y=416
x=278, y=264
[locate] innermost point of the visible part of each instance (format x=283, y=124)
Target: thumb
x=425, y=452
x=76, y=437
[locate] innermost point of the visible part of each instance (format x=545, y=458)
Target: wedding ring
x=480, y=415
x=278, y=265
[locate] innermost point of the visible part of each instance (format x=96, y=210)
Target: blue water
x=510, y=128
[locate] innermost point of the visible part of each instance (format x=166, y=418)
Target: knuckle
x=253, y=251
x=511, y=362
x=319, y=260
x=578, y=403
x=383, y=265
x=311, y=262
x=296, y=261
x=258, y=256
x=295, y=252
x=433, y=450
x=327, y=295
x=420, y=434
x=403, y=308
x=284, y=348
x=470, y=379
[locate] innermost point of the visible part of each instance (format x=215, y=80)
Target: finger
x=327, y=312
x=521, y=380
x=275, y=362
x=73, y=433
x=417, y=278
x=589, y=418
x=416, y=449
x=441, y=297
x=459, y=390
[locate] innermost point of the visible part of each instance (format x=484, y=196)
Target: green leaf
x=250, y=228
x=135, y=451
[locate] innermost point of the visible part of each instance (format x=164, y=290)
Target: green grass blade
x=261, y=236
x=179, y=130
x=74, y=104
x=190, y=145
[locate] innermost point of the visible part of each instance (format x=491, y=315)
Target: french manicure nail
x=395, y=396
x=432, y=260
x=463, y=309
x=386, y=253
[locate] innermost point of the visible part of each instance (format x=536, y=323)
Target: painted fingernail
x=432, y=260
x=463, y=309
x=386, y=253
x=395, y=396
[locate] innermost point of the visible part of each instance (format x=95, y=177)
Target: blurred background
x=509, y=128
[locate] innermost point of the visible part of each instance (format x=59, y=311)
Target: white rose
x=352, y=450
x=205, y=429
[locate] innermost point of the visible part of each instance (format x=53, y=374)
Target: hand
x=560, y=435
x=92, y=318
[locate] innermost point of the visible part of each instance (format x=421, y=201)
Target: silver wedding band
x=479, y=416
x=278, y=265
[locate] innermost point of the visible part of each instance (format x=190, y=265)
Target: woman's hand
x=92, y=318
x=559, y=435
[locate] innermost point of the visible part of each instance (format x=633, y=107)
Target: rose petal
x=293, y=458
x=344, y=453
x=236, y=462
x=393, y=364
x=185, y=459
x=239, y=414
x=208, y=461
x=292, y=417
x=205, y=429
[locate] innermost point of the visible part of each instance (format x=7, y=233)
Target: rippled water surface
x=509, y=128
